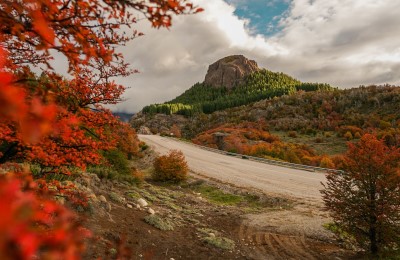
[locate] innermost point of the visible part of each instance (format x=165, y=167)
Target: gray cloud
x=342, y=42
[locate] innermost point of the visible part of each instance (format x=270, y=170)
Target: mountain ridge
x=247, y=84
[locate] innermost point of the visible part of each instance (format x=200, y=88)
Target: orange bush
x=171, y=167
x=326, y=162
x=176, y=131
x=348, y=136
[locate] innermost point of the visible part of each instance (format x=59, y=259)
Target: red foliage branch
x=32, y=225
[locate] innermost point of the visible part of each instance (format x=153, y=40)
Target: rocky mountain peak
x=229, y=71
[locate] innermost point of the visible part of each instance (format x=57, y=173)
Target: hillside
x=307, y=123
x=232, y=82
x=318, y=122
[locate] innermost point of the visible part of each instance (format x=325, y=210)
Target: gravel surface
x=271, y=179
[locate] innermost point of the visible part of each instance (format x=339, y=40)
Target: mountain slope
x=241, y=88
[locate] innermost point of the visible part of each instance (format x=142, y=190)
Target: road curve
x=271, y=179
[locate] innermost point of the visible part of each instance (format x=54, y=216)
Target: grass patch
x=105, y=172
x=213, y=237
x=220, y=242
x=217, y=196
x=158, y=222
x=115, y=197
x=248, y=202
x=330, y=144
x=347, y=239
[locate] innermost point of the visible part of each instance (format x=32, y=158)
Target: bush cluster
x=171, y=167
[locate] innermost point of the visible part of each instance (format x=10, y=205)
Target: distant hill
x=124, y=117
x=231, y=82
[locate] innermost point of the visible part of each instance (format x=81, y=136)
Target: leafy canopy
x=364, y=199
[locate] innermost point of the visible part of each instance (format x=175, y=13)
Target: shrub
x=176, y=131
x=292, y=134
x=326, y=162
x=143, y=146
x=171, y=167
x=118, y=161
x=319, y=140
x=348, y=136
x=160, y=223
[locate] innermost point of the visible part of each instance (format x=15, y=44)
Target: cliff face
x=230, y=71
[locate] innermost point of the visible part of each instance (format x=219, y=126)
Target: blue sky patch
x=264, y=15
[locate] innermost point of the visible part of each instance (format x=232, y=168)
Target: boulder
x=230, y=71
x=102, y=198
x=142, y=203
x=144, y=130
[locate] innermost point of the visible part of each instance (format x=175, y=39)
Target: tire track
x=269, y=245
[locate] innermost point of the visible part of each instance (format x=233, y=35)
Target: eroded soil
x=269, y=229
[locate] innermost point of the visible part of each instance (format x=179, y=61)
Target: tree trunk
x=373, y=240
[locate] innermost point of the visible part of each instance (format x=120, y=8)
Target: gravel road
x=271, y=179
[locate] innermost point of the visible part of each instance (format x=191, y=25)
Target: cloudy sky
x=342, y=42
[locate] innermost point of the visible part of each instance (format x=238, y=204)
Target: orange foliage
x=252, y=139
x=176, y=131
x=364, y=198
x=171, y=167
x=326, y=162
x=31, y=225
x=57, y=122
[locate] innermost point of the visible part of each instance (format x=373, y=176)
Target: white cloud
x=342, y=42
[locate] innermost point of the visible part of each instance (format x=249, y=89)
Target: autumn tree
x=55, y=121
x=364, y=198
x=66, y=117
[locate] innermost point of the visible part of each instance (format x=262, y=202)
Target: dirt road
x=285, y=233
x=270, y=179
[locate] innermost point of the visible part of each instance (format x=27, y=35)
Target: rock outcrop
x=230, y=71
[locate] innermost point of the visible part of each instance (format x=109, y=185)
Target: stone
x=129, y=206
x=230, y=71
x=211, y=235
x=143, y=130
x=102, y=198
x=151, y=211
x=142, y=202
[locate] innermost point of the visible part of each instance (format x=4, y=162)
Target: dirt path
x=293, y=233
x=270, y=179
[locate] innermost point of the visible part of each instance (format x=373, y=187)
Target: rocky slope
x=230, y=71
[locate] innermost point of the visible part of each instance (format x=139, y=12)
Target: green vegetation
x=214, y=238
x=158, y=222
x=217, y=196
x=344, y=237
x=247, y=201
x=220, y=242
x=258, y=85
x=118, y=161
